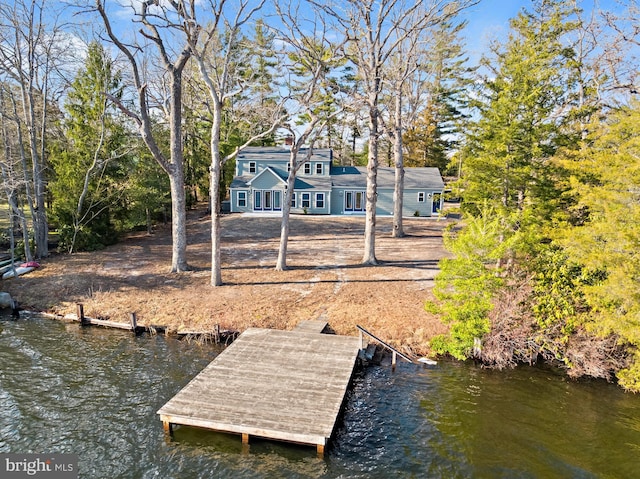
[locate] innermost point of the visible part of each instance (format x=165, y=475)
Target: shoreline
x=325, y=279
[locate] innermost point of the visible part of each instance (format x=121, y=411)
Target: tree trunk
x=38, y=208
x=369, y=256
x=176, y=179
x=214, y=193
x=148, y=215
x=398, y=188
x=281, y=264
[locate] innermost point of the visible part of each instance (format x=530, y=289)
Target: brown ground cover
x=325, y=278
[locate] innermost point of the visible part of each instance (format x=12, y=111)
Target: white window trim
x=253, y=166
x=421, y=197
x=276, y=200
x=319, y=169
x=318, y=195
x=307, y=169
x=242, y=196
x=308, y=200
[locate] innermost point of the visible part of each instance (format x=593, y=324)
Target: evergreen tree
x=524, y=106
x=263, y=70
x=604, y=236
x=90, y=164
x=430, y=140
x=467, y=283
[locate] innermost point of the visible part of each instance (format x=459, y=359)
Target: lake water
x=95, y=392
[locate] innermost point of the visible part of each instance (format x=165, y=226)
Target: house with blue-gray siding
x=322, y=188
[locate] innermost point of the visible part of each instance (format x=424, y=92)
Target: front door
x=435, y=203
x=354, y=201
x=267, y=200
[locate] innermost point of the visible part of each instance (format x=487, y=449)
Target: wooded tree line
x=139, y=119
x=546, y=264
x=145, y=116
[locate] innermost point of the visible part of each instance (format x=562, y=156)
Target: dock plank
x=283, y=385
x=312, y=326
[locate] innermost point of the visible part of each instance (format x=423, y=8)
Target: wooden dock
x=282, y=385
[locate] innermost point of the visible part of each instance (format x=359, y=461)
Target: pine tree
x=509, y=180
x=90, y=164
x=430, y=140
x=605, y=241
x=524, y=106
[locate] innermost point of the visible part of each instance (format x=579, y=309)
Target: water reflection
x=95, y=392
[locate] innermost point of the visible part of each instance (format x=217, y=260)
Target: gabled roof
x=302, y=183
x=420, y=178
x=267, y=170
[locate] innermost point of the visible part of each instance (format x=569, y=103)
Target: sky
x=490, y=18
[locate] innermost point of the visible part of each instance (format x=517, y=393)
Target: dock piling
x=134, y=322
x=167, y=427
x=80, y=312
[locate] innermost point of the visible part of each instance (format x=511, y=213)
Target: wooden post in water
x=320, y=449
x=394, y=358
x=80, y=309
x=245, y=444
x=166, y=426
x=134, y=323
x=15, y=309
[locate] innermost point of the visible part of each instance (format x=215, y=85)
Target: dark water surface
x=95, y=392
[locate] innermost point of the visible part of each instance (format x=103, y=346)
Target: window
x=306, y=200
x=293, y=200
x=319, y=168
x=319, y=200
x=421, y=197
x=252, y=167
x=288, y=167
x=242, y=199
x=267, y=200
x=307, y=169
x=354, y=201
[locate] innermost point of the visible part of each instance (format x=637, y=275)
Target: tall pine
x=90, y=163
x=523, y=108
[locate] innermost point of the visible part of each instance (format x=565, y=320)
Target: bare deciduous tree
x=32, y=48
x=216, y=55
x=375, y=29
x=10, y=166
x=311, y=57
x=620, y=55
x=156, y=22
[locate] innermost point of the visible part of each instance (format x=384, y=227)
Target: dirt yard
x=325, y=278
